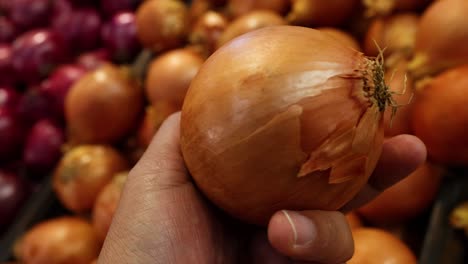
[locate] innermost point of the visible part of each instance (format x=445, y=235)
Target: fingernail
x=304, y=231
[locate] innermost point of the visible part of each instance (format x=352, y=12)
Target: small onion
x=376, y=246
x=406, y=199
x=59, y=241
x=170, y=74
x=106, y=204
x=440, y=116
x=241, y=7
x=441, y=38
x=283, y=118
x=250, y=22
x=103, y=106
x=385, y=7
x=154, y=117
x=341, y=36
x=162, y=24
x=396, y=33
x=321, y=13
x=207, y=30
x=82, y=173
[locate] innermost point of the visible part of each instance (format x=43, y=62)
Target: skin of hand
x=163, y=219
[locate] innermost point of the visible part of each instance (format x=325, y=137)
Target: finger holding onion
x=281, y=128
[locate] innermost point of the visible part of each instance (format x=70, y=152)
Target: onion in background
x=13, y=193
x=320, y=13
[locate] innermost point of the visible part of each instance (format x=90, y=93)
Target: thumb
x=316, y=236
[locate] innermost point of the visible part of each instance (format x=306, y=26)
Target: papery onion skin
x=263, y=104
x=397, y=34
x=406, y=199
x=342, y=36
x=241, y=7
x=377, y=246
x=440, y=117
x=59, y=241
x=441, y=38
x=170, y=74
x=320, y=13
x=162, y=24
x=82, y=173
x=249, y=22
x=103, y=106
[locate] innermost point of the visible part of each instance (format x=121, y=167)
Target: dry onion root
x=284, y=118
x=441, y=41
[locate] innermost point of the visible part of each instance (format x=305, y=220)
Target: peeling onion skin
x=441, y=41
x=397, y=34
x=277, y=119
x=250, y=22
x=241, y=7
x=320, y=13
x=440, y=117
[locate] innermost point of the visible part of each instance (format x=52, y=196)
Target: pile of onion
x=440, y=117
x=59, y=241
x=82, y=173
x=103, y=106
x=441, y=38
x=284, y=118
x=321, y=13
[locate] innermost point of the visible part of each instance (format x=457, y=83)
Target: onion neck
x=375, y=88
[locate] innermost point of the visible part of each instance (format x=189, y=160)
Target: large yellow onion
x=283, y=118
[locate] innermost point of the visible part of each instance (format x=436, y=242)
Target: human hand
x=163, y=218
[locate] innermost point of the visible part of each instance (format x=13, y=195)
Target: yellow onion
x=283, y=117
x=207, y=30
x=341, y=36
x=442, y=38
x=396, y=33
x=385, y=7
x=155, y=115
x=242, y=7
x=249, y=22
x=324, y=13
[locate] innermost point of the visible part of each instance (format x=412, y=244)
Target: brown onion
x=354, y=220
x=241, y=7
x=377, y=246
x=385, y=7
x=283, y=118
x=396, y=33
x=440, y=116
x=170, y=74
x=342, y=36
x=153, y=119
x=207, y=30
x=106, y=204
x=103, y=106
x=441, y=41
x=323, y=13
x=162, y=24
x=83, y=172
x=401, y=84
x=62, y=240
x=406, y=199
x=199, y=7
x=250, y=22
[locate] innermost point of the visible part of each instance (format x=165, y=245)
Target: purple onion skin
x=13, y=193
x=119, y=36
x=56, y=87
x=7, y=73
x=34, y=105
x=9, y=98
x=80, y=29
x=8, y=30
x=36, y=54
x=29, y=14
x=112, y=7
x=43, y=145
x=12, y=134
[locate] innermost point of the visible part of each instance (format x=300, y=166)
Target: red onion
x=34, y=105
x=80, y=28
x=7, y=74
x=43, y=145
x=9, y=98
x=12, y=133
x=13, y=192
x=36, y=54
x=112, y=7
x=93, y=59
x=28, y=14
x=7, y=30
x=59, y=83
x=119, y=36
